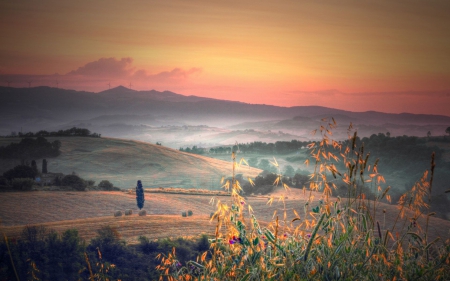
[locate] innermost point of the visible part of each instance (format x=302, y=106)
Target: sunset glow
x=390, y=56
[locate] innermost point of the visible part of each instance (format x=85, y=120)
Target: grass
x=123, y=162
x=334, y=239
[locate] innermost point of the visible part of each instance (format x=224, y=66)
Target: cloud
x=105, y=72
x=106, y=67
x=176, y=73
x=112, y=68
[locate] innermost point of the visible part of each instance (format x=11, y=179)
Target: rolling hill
x=123, y=162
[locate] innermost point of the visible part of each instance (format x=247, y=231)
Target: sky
x=358, y=55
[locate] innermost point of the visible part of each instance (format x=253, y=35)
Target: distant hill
x=33, y=109
x=123, y=162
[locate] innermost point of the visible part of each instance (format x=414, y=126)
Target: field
x=89, y=211
x=123, y=162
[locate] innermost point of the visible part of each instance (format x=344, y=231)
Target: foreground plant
x=337, y=239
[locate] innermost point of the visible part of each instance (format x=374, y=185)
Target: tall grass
x=335, y=239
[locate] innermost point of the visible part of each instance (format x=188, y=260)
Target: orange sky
x=391, y=56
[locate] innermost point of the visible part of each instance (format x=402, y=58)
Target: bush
x=3, y=181
x=90, y=183
x=22, y=184
x=190, y=213
x=183, y=214
x=74, y=181
x=106, y=185
x=20, y=171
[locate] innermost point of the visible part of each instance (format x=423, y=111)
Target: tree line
x=29, y=148
x=72, y=132
x=279, y=147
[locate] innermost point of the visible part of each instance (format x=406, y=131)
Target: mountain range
x=155, y=116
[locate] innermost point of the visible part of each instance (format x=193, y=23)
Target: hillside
x=123, y=162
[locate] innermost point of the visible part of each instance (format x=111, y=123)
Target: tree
x=44, y=166
x=106, y=185
x=140, y=195
x=253, y=162
x=289, y=171
x=20, y=171
x=74, y=181
x=34, y=166
x=388, y=134
x=428, y=134
x=448, y=131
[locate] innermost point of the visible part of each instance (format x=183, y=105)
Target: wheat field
x=89, y=211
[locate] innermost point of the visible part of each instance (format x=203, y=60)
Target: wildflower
x=235, y=240
x=242, y=203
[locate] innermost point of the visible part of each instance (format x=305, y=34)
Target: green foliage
x=265, y=165
x=22, y=184
x=45, y=254
x=277, y=148
x=183, y=214
x=3, y=182
x=20, y=171
x=190, y=213
x=106, y=185
x=263, y=183
x=194, y=150
x=29, y=148
x=74, y=131
x=74, y=181
x=44, y=166
x=289, y=171
x=140, y=199
x=52, y=256
x=34, y=166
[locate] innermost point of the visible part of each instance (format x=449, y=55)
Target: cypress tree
x=140, y=195
x=34, y=166
x=44, y=166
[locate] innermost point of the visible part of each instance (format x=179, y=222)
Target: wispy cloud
x=106, y=67
x=95, y=75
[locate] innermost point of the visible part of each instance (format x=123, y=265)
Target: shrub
x=74, y=181
x=106, y=185
x=128, y=212
x=190, y=213
x=20, y=171
x=118, y=213
x=3, y=181
x=22, y=184
x=142, y=213
x=183, y=214
x=90, y=183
